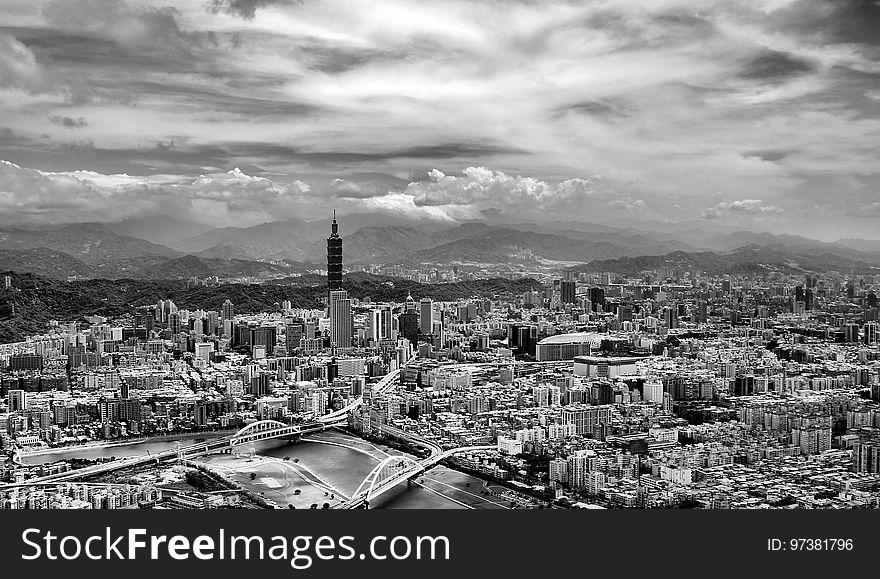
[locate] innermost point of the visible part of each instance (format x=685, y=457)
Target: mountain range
x=164, y=247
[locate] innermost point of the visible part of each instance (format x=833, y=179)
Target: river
x=324, y=468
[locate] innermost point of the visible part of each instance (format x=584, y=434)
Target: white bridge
x=386, y=475
x=260, y=430
x=394, y=470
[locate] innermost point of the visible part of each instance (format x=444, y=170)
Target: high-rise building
x=670, y=317
x=870, y=332
x=569, y=291
x=17, y=400
x=228, y=312
x=585, y=417
x=387, y=323
x=334, y=258
x=293, y=335
x=522, y=339
x=340, y=319
x=597, y=298
x=866, y=455
x=426, y=316
x=374, y=325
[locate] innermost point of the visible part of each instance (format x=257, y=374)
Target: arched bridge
x=260, y=430
x=265, y=429
x=394, y=470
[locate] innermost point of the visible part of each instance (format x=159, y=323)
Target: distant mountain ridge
x=753, y=260
x=132, y=248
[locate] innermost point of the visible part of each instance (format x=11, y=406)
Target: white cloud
x=742, y=206
x=19, y=67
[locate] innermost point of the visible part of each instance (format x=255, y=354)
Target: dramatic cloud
x=246, y=8
x=19, y=67
x=670, y=101
x=482, y=189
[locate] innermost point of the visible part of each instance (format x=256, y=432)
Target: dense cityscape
x=463, y=254
x=670, y=389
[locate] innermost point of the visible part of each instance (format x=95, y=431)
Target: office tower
x=340, y=319
x=17, y=400
x=293, y=335
x=426, y=316
x=174, y=322
x=851, y=332
x=409, y=321
x=213, y=323
x=870, y=332
x=670, y=317
x=597, y=298
x=387, y=323
x=374, y=325
x=228, y=312
x=149, y=321
x=522, y=339
x=569, y=291
x=334, y=258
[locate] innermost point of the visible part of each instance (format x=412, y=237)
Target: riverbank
x=92, y=444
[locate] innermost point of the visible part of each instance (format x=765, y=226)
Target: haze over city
x=758, y=115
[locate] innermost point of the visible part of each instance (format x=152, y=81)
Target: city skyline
x=737, y=391
x=759, y=116
x=472, y=254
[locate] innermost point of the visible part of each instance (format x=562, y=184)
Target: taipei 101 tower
x=334, y=258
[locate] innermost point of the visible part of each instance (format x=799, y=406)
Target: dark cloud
x=774, y=65
x=68, y=122
x=246, y=8
x=842, y=21
x=251, y=104
x=337, y=59
x=116, y=20
x=608, y=109
x=770, y=155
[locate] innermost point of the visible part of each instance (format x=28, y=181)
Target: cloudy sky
x=759, y=114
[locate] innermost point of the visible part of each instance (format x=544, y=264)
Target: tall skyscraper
x=387, y=321
x=334, y=258
x=569, y=291
x=374, y=325
x=228, y=312
x=409, y=321
x=426, y=316
x=340, y=319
